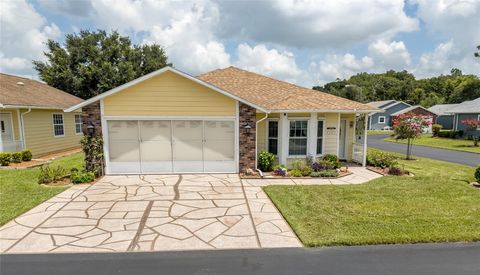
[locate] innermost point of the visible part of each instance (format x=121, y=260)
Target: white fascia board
x=156, y=73
x=29, y=107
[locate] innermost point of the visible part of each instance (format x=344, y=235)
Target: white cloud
x=78, y=8
x=390, y=55
x=24, y=33
x=314, y=24
x=259, y=59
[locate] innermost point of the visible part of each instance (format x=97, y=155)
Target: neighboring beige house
x=32, y=117
x=171, y=122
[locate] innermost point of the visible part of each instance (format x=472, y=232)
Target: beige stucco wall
x=169, y=94
x=39, y=137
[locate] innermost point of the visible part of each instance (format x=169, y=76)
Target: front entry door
x=342, y=139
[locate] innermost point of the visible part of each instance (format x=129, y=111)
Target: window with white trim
x=78, y=124
x=320, y=137
x=58, y=129
x=381, y=119
x=273, y=136
x=297, y=144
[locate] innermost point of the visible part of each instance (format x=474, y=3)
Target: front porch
x=292, y=136
x=11, y=134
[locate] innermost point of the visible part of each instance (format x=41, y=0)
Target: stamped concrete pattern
x=159, y=212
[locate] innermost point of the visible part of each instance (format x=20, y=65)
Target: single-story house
x=443, y=117
x=171, y=122
x=419, y=110
x=463, y=111
x=382, y=119
x=32, y=117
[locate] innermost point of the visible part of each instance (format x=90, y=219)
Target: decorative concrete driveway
x=158, y=212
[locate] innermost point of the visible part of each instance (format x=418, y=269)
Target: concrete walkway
x=159, y=213
x=465, y=158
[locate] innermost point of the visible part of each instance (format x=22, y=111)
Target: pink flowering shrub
x=409, y=126
x=472, y=125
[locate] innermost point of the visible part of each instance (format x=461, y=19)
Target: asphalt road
x=436, y=259
x=466, y=158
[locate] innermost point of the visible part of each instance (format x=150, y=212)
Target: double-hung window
x=381, y=119
x=320, y=137
x=297, y=145
x=78, y=124
x=58, y=129
x=273, y=136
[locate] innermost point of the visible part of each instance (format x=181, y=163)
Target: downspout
x=256, y=142
x=22, y=127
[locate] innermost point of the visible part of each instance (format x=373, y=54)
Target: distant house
x=463, y=111
x=383, y=120
x=32, y=117
x=419, y=110
x=444, y=118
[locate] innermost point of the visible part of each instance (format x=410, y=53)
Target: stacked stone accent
x=247, y=139
x=91, y=113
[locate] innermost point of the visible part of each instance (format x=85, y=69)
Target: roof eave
x=5, y=106
x=346, y=111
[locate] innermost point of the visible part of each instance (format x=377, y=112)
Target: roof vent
x=20, y=83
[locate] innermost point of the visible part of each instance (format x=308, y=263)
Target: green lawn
x=445, y=143
x=436, y=205
x=20, y=192
x=379, y=132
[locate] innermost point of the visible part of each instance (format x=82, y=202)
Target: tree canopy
x=92, y=62
x=366, y=87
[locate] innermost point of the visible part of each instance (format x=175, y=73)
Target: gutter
x=256, y=142
x=22, y=126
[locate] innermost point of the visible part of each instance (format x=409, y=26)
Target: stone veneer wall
x=247, y=116
x=92, y=114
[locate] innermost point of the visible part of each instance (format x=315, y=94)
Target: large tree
x=92, y=62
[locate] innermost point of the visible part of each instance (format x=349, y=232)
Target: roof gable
x=472, y=106
x=21, y=92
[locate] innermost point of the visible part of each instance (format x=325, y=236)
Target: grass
x=379, y=132
x=444, y=143
x=20, y=192
x=437, y=205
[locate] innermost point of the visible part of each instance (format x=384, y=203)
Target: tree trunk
x=408, y=148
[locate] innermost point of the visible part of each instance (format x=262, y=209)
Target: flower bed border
x=243, y=176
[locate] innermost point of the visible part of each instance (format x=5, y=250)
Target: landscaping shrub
x=333, y=159
x=265, y=161
x=298, y=164
x=16, y=157
x=309, y=160
x=436, y=129
x=81, y=177
x=450, y=133
x=48, y=174
x=26, y=155
x=324, y=165
x=306, y=171
x=381, y=159
x=477, y=174
x=280, y=171
x=395, y=171
x=295, y=173
x=325, y=174
x=5, y=158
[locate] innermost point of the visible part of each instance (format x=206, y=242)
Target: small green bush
x=26, y=155
x=450, y=133
x=436, y=129
x=477, y=174
x=306, y=171
x=48, y=174
x=298, y=164
x=81, y=177
x=266, y=161
x=295, y=173
x=332, y=159
x=5, y=158
x=325, y=174
x=381, y=159
x=16, y=157
x=395, y=171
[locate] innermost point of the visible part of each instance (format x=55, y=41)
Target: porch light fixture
x=247, y=128
x=90, y=128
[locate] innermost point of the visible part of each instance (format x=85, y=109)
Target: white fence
x=11, y=145
x=357, y=154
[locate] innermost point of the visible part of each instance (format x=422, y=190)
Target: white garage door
x=171, y=146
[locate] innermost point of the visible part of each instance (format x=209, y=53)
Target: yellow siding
x=261, y=133
x=39, y=136
x=169, y=94
x=331, y=136
x=305, y=115
x=16, y=128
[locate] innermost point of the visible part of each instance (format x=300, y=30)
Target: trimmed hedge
x=450, y=133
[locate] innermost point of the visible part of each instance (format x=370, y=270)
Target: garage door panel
x=187, y=146
x=123, y=147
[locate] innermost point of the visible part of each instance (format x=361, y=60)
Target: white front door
x=342, y=139
x=6, y=133
x=171, y=146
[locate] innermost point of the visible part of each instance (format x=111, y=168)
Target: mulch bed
x=384, y=171
x=25, y=164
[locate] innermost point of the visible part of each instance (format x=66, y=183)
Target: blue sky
x=306, y=42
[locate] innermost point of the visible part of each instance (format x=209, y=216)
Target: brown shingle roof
x=276, y=95
x=33, y=94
